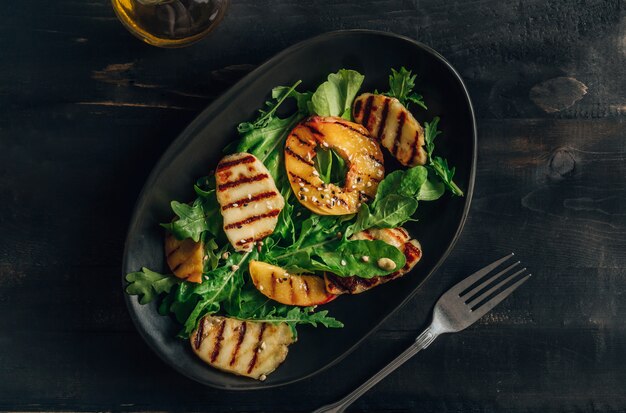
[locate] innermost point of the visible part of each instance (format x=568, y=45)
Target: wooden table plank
x=87, y=110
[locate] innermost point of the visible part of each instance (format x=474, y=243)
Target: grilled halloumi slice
x=245, y=348
x=399, y=238
x=393, y=125
x=249, y=200
x=185, y=258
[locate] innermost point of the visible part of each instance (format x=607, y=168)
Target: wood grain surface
x=86, y=110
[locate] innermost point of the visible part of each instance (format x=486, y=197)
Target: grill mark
x=253, y=218
x=300, y=179
x=368, y=111
x=178, y=266
x=218, y=342
x=353, y=129
x=306, y=286
x=241, y=181
x=313, y=129
x=169, y=254
x=290, y=151
x=302, y=141
x=392, y=233
x=411, y=251
x=246, y=200
x=291, y=290
x=368, y=234
x=414, y=147
x=340, y=201
x=404, y=232
x=375, y=159
x=273, y=284
x=199, y=334
x=230, y=164
x=358, y=105
x=242, y=334
x=396, y=141
x=383, y=119
x=256, y=350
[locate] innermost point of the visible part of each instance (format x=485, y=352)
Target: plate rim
x=188, y=133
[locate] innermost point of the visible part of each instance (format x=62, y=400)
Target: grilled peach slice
x=185, y=258
x=399, y=238
x=246, y=348
x=351, y=141
x=393, y=125
x=277, y=284
x=248, y=198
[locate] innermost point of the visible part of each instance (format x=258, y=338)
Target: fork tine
x=489, y=305
x=493, y=289
x=482, y=285
x=472, y=279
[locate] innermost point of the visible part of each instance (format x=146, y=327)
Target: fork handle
x=423, y=340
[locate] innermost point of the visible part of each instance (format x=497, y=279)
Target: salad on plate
x=298, y=212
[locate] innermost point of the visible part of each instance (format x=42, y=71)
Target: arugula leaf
x=335, y=96
x=251, y=305
x=302, y=98
x=192, y=220
x=437, y=163
x=219, y=285
x=401, y=84
x=148, y=284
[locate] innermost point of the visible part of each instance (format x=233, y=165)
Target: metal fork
x=458, y=308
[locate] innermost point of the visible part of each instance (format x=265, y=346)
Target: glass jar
x=170, y=23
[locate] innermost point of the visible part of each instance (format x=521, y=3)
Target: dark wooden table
x=86, y=110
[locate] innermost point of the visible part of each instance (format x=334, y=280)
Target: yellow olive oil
x=170, y=23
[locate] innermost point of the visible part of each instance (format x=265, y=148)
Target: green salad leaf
x=202, y=215
x=331, y=167
x=251, y=305
x=335, y=96
x=401, y=84
x=438, y=164
x=148, y=284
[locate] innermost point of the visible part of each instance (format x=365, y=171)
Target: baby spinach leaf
x=331, y=167
x=148, y=284
x=345, y=259
x=335, y=96
x=433, y=188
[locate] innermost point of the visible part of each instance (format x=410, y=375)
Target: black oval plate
x=197, y=150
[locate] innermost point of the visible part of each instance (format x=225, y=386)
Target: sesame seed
x=314, y=199
x=262, y=377
x=298, y=213
x=343, y=262
x=234, y=267
x=365, y=258
x=225, y=255
x=301, y=184
x=249, y=196
x=353, y=186
x=305, y=189
x=235, y=205
x=368, y=184
x=316, y=173
x=260, y=288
